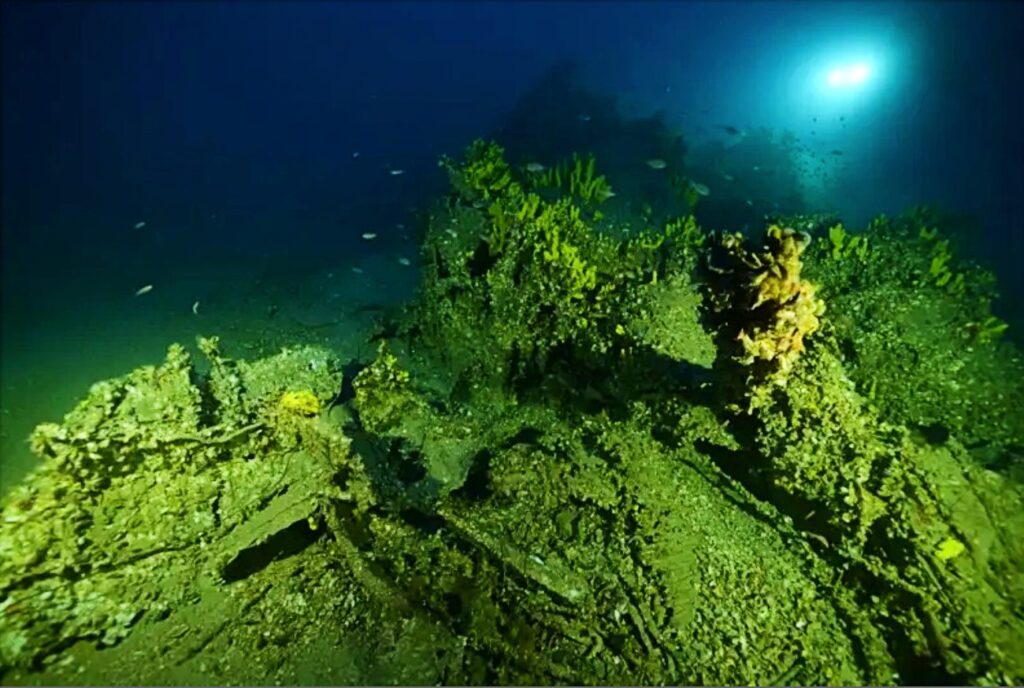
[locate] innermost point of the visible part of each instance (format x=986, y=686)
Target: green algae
x=555, y=470
x=927, y=357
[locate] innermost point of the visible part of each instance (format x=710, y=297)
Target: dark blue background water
x=174, y=112
x=231, y=129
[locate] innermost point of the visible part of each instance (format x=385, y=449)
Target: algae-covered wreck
x=592, y=451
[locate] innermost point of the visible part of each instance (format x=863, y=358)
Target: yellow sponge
x=303, y=403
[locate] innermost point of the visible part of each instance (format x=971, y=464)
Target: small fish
x=534, y=168
x=727, y=177
x=395, y=173
x=369, y=236
x=657, y=164
x=606, y=194
x=355, y=155
x=757, y=168
x=701, y=189
x=195, y=308
x=730, y=130
x=144, y=290
x=749, y=202
x=584, y=118
x=399, y=225
x=140, y=225
x=451, y=232
x=358, y=271
x=837, y=152
x=404, y=261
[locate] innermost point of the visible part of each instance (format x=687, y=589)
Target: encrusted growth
x=592, y=452
x=767, y=300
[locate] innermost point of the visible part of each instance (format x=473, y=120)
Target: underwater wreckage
x=582, y=456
